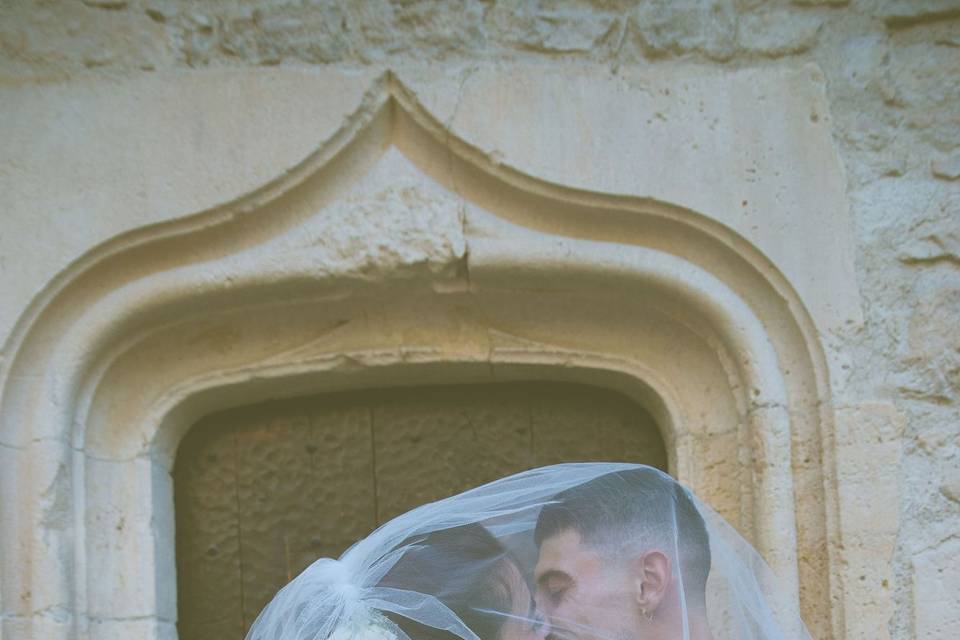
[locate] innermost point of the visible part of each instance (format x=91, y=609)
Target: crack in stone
x=451, y=158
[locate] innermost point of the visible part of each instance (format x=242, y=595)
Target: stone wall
x=891, y=74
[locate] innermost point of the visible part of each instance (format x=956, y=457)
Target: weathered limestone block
x=899, y=14
x=12, y=525
x=947, y=168
x=950, y=479
x=529, y=27
x=940, y=242
x=749, y=137
x=936, y=577
x=868, y=457
x=416, y=225
x=778, y=33
x=813, y=3
x=756, y=142
x=930, y=363
x=149, y=629
x=53, y=500
x=161, y=134
x=917, y=82
x=123, y=500
x=663, y=27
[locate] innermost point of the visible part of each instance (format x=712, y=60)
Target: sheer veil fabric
x=585, y=551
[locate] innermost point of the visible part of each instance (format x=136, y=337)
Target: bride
x=587, y=551
x=475, y=577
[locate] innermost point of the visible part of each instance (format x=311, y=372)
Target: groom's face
x=584, y=595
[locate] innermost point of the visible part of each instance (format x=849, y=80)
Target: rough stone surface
x=424, y=227
x=868, y=448
x=893, y=107
x=937, y=576
x=778, y=33
x=947, y=168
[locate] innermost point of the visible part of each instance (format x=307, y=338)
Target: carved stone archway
x=395, y=254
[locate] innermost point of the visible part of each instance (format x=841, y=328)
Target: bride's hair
x=466, y=569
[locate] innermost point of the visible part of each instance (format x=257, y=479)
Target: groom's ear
x=651, y=579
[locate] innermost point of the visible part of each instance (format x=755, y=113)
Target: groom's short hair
x=634, y=510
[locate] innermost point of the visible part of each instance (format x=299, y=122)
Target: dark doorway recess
x=263, y=491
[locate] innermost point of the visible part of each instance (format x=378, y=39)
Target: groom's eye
x=555, y=587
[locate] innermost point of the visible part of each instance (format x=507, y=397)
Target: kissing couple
x=584, y=551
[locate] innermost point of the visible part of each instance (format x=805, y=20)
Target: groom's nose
x=545, y=610
x=543, y=603
x=543, y=626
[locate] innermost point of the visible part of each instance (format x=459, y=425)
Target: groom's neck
x=697, y=627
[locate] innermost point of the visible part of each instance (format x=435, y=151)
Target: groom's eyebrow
x=552, y=574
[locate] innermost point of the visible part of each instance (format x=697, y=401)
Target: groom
x=623, y=557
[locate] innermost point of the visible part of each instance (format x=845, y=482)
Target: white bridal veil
x=592, y=551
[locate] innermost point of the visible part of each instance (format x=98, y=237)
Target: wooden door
x=263, y=491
